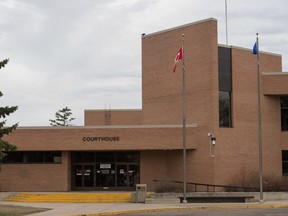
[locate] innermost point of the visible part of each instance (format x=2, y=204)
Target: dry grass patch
x=14, y=210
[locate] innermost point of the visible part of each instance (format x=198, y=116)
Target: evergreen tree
x=5, y=111
x=63, y=118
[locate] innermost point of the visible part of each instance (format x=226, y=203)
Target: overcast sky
x=85, y=54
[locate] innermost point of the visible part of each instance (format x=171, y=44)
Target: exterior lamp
x=212, y=139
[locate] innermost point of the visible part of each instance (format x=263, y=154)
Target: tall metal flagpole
x=226, y=22
x=184, y=122
x=261, y=200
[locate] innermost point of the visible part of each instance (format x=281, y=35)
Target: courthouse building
x=116, y=149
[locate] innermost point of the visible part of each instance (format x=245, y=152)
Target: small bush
x=168, y=187
x=249, y=180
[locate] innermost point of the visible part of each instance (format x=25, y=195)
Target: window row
x=33, y=157
x=94, y=157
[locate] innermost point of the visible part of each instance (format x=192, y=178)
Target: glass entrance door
x=105, y=170
x=133, y=175
x=122, y=178
x=127, y=175
x=88, y=176
x=105, y=175
x=84, y=176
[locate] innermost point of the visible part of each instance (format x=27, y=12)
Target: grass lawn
x=14, y=210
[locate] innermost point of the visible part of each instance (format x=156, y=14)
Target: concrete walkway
x=94, y=209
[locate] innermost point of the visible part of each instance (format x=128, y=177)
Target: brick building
x=116, y=149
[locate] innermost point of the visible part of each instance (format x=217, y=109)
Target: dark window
x=225, y=109
x=80, y=157
x=14, y=157
x=33, y=157
x=284, y=113
x=225, y=69
x=128, y=157
x=53, y=157
x=105, y=157
x=225, y=86
x=285, y=163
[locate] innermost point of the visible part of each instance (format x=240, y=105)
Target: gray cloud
x=85, y=54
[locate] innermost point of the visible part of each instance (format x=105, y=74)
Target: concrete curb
x=185, y=208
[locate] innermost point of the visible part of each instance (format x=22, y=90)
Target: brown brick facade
x=156, y=131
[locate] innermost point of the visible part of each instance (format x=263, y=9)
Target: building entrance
x=105, y=170
x=84, y=175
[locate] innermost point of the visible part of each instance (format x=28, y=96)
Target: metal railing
x=201, y=187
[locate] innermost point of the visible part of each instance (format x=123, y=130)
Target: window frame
x=26, y=157
x=222, y=110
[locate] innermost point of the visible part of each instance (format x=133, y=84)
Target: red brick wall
x=36, y=177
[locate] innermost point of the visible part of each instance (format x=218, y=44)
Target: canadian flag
x=177, y=58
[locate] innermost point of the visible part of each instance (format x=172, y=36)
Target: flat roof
x=108, y=109
x=179, y=27
x=248, y=49
x=106, y=127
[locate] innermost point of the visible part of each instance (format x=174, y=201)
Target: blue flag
x=255, y=49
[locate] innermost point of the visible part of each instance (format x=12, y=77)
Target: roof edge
x=249, y=50
x=118, y=110
x=179, y=27
x=106, y=127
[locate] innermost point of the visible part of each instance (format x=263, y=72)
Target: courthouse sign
x=101, y=139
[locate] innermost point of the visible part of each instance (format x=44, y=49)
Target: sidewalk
x=77, y=209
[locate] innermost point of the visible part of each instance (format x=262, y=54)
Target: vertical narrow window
x=285, y=163
x=224, y=109
x=284, y=113
x=225, y=86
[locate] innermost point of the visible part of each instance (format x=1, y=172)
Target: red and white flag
x=178, y=57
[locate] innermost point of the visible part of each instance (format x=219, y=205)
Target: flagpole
x=226, y=22
x=184, y=122
x=261, y=200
